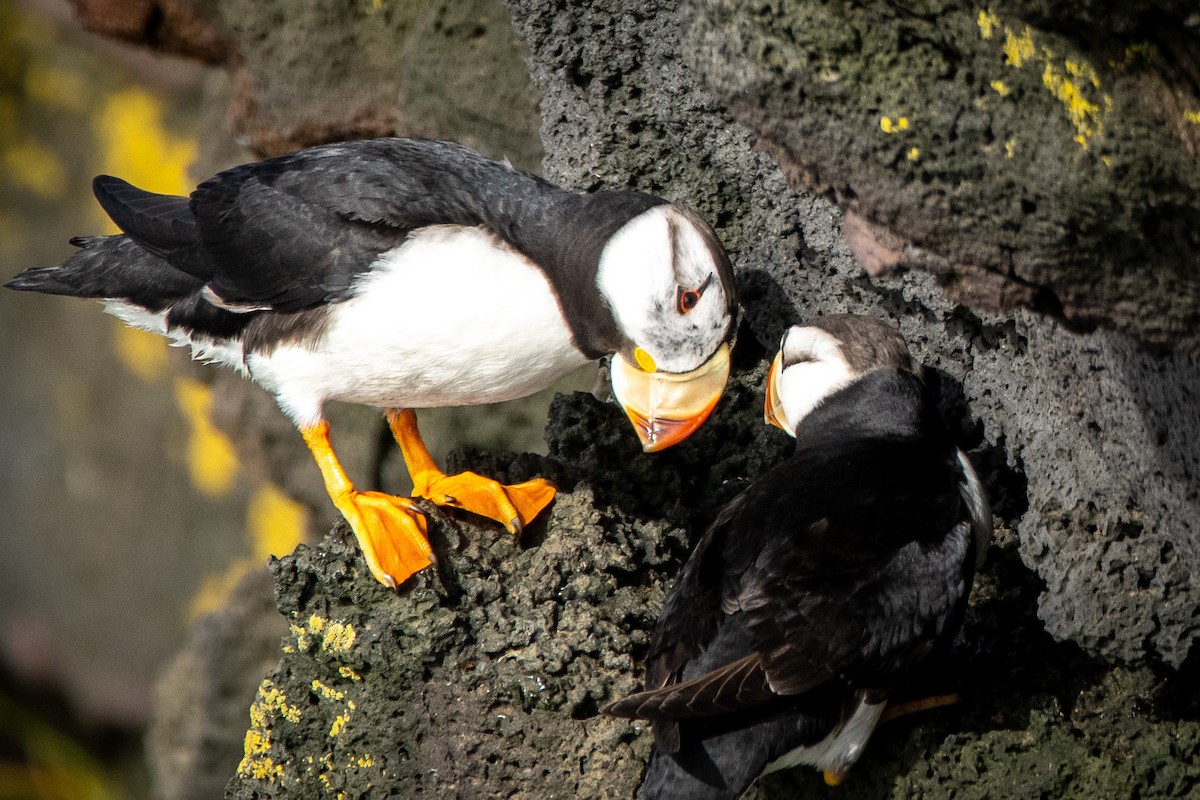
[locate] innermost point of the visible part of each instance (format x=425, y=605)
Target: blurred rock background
x=1015, y=185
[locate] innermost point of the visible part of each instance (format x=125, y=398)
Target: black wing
x=294, y=231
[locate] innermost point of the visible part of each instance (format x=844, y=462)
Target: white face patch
x=660, y=279
x=814, y=369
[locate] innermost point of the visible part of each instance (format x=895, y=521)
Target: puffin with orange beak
x=821, y=587
x=408, y=274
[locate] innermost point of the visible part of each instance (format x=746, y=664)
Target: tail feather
x=162, y=224
x=112, y=267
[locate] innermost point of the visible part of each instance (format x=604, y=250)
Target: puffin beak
x=664, y=407
x=773, y=408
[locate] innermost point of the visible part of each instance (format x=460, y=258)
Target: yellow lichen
x=271, y=703
x=1082, y=69
x=141, y=352
x=347, y=672
x=211, y=459
x=339, y=638
x=1073, y=82
x=914, y=154
x=1018, y=48
x=888, y=125
x=1010, y=147
x=1085, y=115
x=1142, y=50
x=327, y=691
x=1192, y=116
x=988, y=22
x=365, y=761
x=276, y=523
x=339, y=722
x=303, y=639
x=272, y=700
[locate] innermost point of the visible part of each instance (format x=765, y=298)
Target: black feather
x=114, y=267
x=294, y=232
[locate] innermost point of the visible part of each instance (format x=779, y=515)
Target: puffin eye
x=688, y=298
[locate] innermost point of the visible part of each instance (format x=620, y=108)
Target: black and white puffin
x=407, y=274
x=823, y=584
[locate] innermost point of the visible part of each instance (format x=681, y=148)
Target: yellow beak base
x=773, y=411
x=665, y=408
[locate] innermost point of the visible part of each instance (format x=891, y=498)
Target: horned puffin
x=408, y=273
x=823, y=584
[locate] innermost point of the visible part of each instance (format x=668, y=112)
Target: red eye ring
x=688, y=298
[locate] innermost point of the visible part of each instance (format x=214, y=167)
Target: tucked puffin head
x=669, y=286
x=828, y=354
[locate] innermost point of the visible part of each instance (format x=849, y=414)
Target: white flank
x=838, y=751
x=978, y=506
x=452, y=317
x=226, y=351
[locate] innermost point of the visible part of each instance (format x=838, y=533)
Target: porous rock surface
x=1091, y=442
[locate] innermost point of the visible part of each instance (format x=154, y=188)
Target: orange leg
x=514, y=506
x=896, y=710
x=390, y=530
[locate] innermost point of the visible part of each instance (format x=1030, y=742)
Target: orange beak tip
x=660, y=433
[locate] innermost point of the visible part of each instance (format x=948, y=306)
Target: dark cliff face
x=1074, y=669
x=1026, y=154
x=1090, y=442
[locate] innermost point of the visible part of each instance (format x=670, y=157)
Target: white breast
x=452, y=317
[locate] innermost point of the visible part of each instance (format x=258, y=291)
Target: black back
x=293, y=232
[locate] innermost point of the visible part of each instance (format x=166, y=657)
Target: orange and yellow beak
x=664, y=407
x=773, y=409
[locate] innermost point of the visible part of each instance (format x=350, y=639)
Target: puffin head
x=669, y=286
x=828, y=354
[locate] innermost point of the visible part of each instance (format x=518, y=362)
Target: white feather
x=838, y=751
x=224, y=351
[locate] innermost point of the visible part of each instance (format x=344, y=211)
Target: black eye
x=688, y=298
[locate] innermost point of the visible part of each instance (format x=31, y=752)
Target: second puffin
x=823, y=584
x=407, y=274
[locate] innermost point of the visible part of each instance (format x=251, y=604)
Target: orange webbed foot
x=391, y=532
x=513, y=506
